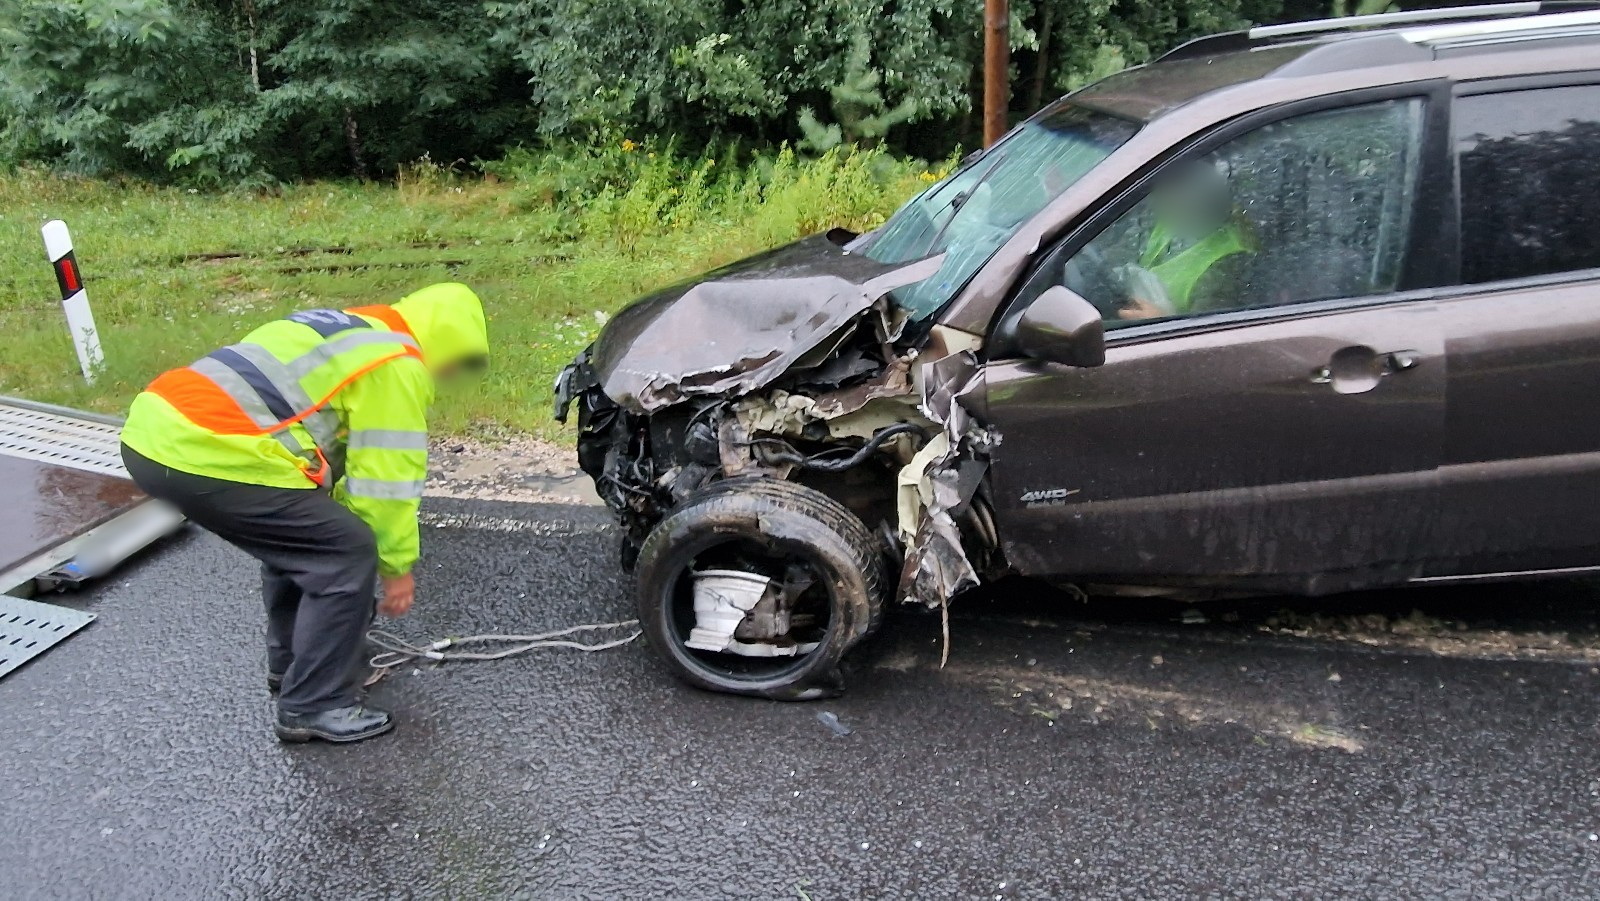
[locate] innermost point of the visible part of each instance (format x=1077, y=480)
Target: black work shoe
x=274, y=682
x=341, y=724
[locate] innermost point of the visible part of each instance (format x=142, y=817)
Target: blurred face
x=460, y=370
x=1194, y=200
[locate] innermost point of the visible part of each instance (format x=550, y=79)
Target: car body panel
x=1210, y=456
x=1521, y=476
x=974, y=309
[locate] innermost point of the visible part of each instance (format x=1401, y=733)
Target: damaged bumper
x=574, y=379
x=793, y=366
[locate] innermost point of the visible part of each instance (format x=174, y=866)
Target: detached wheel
x=759, y=587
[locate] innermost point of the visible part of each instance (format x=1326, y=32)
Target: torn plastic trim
x=574, y=379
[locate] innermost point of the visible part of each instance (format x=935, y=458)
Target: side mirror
x=1061, y=327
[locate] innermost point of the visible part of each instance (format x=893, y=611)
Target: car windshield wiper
x=958, y=201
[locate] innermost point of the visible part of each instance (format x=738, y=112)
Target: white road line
x=476, y=522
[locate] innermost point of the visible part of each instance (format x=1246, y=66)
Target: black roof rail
x=1264, y=35
x=1209, y=45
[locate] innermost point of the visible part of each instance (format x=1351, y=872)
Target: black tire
x=790, y=522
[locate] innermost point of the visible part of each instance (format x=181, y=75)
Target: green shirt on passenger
x=1180, y=270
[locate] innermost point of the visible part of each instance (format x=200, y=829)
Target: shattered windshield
x=974, y=211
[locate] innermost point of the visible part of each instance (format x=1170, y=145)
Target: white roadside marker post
x=74, y=300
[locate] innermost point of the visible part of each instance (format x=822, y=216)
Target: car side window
x=1529, y=165
x=1312, y=207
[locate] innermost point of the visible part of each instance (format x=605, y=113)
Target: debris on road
x=1418, y=631
x=1057, y=697
x=831, y=720
x=1315, y=736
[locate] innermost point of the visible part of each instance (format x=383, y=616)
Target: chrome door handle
x=1358, y=368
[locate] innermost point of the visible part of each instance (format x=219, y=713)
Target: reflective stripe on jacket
x=330, y=398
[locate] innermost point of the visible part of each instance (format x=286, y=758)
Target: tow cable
x=398, y=651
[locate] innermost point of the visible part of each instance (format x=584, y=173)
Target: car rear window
x=1530, y=182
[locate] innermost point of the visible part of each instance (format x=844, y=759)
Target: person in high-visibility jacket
x=1194, y=254
x=306, y=446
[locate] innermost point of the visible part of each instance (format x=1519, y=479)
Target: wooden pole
x=996, y=65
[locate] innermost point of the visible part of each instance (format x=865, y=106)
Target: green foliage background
x=553, y=241
x=230, y=92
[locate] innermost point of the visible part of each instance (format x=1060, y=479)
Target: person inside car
x=1194, y=257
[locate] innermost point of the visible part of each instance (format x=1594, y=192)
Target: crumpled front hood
x=740, y=327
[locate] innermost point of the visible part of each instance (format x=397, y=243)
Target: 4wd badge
x=1045, y=497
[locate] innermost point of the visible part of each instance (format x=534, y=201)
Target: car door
x=1278, y=424
x=1521, y=474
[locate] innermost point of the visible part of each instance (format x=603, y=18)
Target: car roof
x=1458, y=37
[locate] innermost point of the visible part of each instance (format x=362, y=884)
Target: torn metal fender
x=940, y=481
x=739, y=328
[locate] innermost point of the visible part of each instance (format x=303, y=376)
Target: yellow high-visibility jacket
x=329, y=399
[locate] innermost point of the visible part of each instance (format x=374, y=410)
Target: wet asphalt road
x=1061, y=753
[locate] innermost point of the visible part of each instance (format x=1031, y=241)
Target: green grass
x=554, y=243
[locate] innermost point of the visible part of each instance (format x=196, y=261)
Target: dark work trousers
x=319, y=571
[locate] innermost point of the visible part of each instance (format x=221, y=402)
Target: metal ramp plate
x=28, y=629
x=47, y=505
x=70, y=511
x=60, y=437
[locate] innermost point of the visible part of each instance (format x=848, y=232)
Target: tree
x=601, y=66
x=386, y=81
x=1068, y=43
x=125, y=86
x=862, y=115
x=222, y=90
x=219, y=91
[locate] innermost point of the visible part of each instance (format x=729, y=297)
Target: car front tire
x=774, y=523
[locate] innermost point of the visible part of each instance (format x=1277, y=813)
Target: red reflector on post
x=69, y=276
x=74, y=300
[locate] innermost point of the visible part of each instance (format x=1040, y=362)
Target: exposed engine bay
x=834, y=389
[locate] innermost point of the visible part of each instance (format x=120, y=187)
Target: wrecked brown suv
x=1305, y=309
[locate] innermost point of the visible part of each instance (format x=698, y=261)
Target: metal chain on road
x=398, y=651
